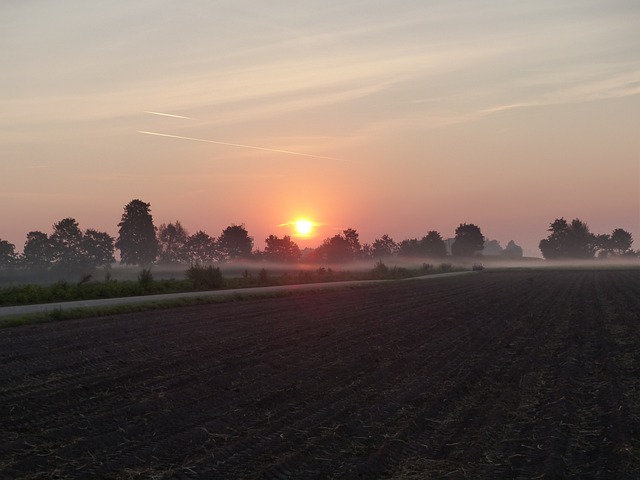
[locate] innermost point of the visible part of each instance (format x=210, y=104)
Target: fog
x=253, y=268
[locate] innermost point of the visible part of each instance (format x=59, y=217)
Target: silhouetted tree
x=433, y=245
x=97, y=248
x=383, y=247
x=281, y=249
x=580, y=243
x=137, y=235
x=603, y=245
x=568, y=240
x=172, y=243
x=202, y=249
x=66, y=244
x=336, y=249
x=37, y=253
x=618, y=243
x=553, y=246
x=352, y=237
x=411, y=247
x=512, y=250
x=235, y=243
x=468, y=240
x=8, y=258
x=621, y=241
x=491, y=248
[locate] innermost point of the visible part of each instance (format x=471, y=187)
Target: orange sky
x=432, y=114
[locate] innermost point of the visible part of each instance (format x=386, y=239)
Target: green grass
x=199, y=279
x=66, y=292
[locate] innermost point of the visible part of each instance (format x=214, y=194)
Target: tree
x=336, y=249
x=97, y=248
x=8, y=257
x=553, y=246
x=352, y=238
x=468, y=240
x=580, y=242
x=66, y=244
x=383, y=247
x=433, y=245
x=512, y=250
x=569, y=240
x=137, y=235
x=411, y=247
x=621, y=241
x=37, y=252
x=492, y=248
x=172, y=243
x=235, y=243
x=202, y=249
x=281, y=249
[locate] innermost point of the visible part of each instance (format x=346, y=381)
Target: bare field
x=523, y=374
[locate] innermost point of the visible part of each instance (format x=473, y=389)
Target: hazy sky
x=503, y=113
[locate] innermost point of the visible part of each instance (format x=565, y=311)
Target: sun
x=303, y=227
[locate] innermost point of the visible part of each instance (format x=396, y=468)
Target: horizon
x=386, y=118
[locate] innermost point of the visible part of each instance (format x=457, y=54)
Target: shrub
x=380, y=270
x=145, y=278
x=204, y=278
x=263, y=276
x=446, y=267
x=399, y=273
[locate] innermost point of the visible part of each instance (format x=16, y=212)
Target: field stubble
x=498, y=375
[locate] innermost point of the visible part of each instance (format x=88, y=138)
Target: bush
x=380, y=270
x=263, y=276
x=204, y=278
x=399, y=273
x=145, y=278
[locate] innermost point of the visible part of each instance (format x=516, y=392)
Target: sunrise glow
x=391, y=121
x=303, y=227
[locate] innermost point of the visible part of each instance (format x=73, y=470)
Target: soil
x=520, y=374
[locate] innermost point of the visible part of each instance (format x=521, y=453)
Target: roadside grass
x=199, y=278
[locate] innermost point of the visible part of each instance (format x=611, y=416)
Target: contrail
x=169, y=115
x=239, y=145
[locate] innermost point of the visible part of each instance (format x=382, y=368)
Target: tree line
x=574, y=240
x=140, y=242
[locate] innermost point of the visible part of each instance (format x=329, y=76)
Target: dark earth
x=499, y=374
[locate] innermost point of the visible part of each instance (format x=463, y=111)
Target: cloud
x=169, y=115
x=253, y=147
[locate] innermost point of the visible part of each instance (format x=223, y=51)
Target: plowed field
x=497, y=375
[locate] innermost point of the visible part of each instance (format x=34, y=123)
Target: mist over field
x=253, y=268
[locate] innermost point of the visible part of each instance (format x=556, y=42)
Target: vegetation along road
x=141, y=299
x=520, y=374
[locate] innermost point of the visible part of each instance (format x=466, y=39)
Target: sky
x=389, y=117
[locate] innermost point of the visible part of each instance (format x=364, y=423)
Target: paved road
x=106, y=302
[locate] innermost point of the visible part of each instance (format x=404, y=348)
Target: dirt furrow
x=502, y=374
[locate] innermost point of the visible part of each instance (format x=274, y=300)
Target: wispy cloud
x=169, y=115
x=253, y=147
